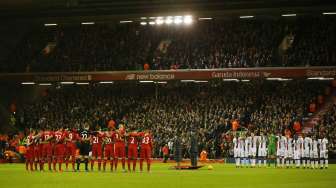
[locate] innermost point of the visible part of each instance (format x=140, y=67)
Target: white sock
x=316, y=163
x=259, y=162
x=283, y=162
x=278, y=162
x=326, y=163
x=304, y=163
x=238, y=161
x=321, y=163
x=265, y=162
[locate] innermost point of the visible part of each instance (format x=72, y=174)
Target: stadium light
x=88, y=23
x=82, y=83
x=207, y=18
x=201, y=81
x=187, y=80
x=143, y=18
x=45, y=84
x=106, y=82
x=146, y=81
x=245, y=80
x=151, y=23
x=161, y=82
x=329, y=13
x=187, y=20
x=230, y=80
x=159, y=21
x=169, y=20
x=50, y=24
x=67, y=83
x=244, y=17
x=319, y=78
x=28, y=83
x=143, y=23
x=178, y=20
x=288, y=15
x=273, y=79
x=126, y=21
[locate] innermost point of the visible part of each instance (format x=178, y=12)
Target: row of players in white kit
x=310, y=151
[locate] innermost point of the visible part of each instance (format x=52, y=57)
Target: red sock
x=54, y=164
x=99, y=164
x=27, y=165
x=129, y=164
x=141, y=164
x=66, y=163
x=49, y=163
x=31, y=165
x=123, y=161
x=104, y=165
x=134, y=164
x=111, y=163
x=148, y=164
x=60, y=162
x=35, y=165
x=115, y=163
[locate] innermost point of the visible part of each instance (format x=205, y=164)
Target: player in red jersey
x=97, y=140
x=108, y=148
x=30, y=150
x=39, y=150
x=70, y=138
x=119, y=147
x=47, y=136
x=59, y=149
x=132, y=143
x=146, y=149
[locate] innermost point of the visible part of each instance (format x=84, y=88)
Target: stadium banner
x=166, y=75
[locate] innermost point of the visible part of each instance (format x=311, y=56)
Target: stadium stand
x=302, y=41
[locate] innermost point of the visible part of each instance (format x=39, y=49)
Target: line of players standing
x=302, y=151
x=60, y=146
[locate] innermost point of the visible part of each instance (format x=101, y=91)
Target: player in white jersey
x=262, y=149
x=247, y=151
x=323, y=143
x=281, y=148
x=253, y=150
x=242, y=150
x=289, y=152
x=307, y=143
x=236, y=150
x=298, y=148
x=314, y=153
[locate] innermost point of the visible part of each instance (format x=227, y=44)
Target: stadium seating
x=302, y=41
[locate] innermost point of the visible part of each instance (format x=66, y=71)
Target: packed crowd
x=171, y=111
x=215, y=44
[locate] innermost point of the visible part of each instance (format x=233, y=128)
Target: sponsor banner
x=166, y=75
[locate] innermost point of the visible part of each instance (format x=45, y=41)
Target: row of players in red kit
x=103, y=147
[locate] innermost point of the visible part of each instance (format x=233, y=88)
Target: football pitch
x=222, y=175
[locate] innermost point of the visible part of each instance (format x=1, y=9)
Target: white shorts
x=280, y=153
x=314, y=155
x=297, y=155
x=253, y=152
x=236, y=153
x=242, y=153
x=289, y=154
x=324, y=155
x=306, y=154
x=262, y=153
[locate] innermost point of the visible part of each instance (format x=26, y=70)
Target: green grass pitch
x=222, y=175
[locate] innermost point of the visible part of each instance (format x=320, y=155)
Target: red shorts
x=132, y=151
x=119, y=150
x=47, y=150
x=38, y=152
x=145, y=152
x=71, y=149
x=59, y=150
x=109, y=151
x=30, y=153
x=96, y=150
